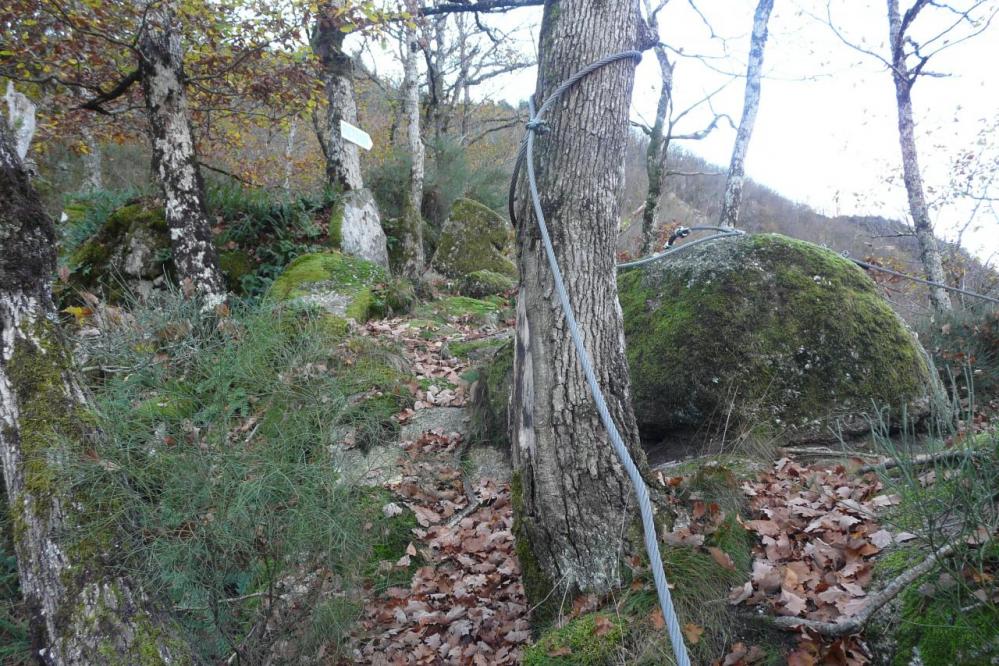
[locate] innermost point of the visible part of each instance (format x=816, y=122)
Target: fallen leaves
x=817, y=532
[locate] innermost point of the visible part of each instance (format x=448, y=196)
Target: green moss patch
x=766, y=332
x=338, y=283
x=491, y=400
x=133, y=243
x=940, y=632
x=590, y=640
x=485, y=283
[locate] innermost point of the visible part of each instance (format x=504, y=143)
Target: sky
x=826, y=132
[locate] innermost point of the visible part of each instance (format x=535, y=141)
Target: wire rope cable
x=644, y=502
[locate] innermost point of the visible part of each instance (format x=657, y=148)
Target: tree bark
x=572, y=496
x=83, y=611
x=175, y=159
x=732, y=198
x=343, y=159
x=412, y=233
x=360, y=228
x=289, y=155
x=92, y=162
x=929, y=254
x=657, y=152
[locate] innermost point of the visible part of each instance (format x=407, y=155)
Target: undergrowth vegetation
x=947, y=490
x=222, y=461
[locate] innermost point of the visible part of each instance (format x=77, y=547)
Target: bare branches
x=97, y=103
x=874, y=602
x=482, y=6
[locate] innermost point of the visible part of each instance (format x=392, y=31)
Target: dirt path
x=465, y=602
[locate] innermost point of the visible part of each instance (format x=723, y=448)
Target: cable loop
x=526, y=157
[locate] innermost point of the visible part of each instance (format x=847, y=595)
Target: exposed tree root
x=920, y=460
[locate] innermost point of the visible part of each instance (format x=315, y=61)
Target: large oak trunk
x=572, y=496
x=175, y=158
x=83, y=612
x=929, y=254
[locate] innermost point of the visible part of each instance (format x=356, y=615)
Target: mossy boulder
x=771, y=335
x=479, y=284
x=132, y=248
x=339, y=284
x=474, y=238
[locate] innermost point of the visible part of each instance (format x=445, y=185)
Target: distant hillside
x=696, y=200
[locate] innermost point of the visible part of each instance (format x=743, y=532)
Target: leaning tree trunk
x=175, y=158
x=412, y=232
x=571, y=494
x=929, y=254
x=360, y=227
x=82, y=611
x=736, y=170
x=657, y=152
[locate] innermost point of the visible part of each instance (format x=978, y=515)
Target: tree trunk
x=83, y=611
x=92, y=162
x=929, y=254
x=175, y=159
x=657, y=152
x=571, y=494
x=289, y=155
x=361, y=232
x=343, y=159
x=412, y=232
x=736, y=170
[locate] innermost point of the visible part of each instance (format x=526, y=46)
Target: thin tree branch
x=96, y=104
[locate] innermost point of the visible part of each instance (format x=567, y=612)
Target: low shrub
x=222, y=455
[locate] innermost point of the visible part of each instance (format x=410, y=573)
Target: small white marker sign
x=355, y=135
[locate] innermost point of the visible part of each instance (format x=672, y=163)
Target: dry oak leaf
x=604, y=625
x=722, y=558
x=692, y=632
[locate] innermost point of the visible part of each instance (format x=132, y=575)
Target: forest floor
x=465, y=602
x=813, y=534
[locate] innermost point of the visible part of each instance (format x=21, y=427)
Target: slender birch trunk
x=657, y=152
x=92, y=162
x=175, y=158
x=929, y=254
x=289, y=155
x=412, y=232
x=736, y=171
x=571, y=496
x=82, y=610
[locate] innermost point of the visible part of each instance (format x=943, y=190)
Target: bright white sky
x=826, y=130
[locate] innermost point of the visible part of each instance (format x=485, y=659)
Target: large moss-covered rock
x=771, y=334
x=479, y=284
x=339, y=284
x=132, y=247
x=474, y=238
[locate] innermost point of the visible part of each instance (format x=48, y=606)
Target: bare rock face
x=21, y=114
x=361, y=233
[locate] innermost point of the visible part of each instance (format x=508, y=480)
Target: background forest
x=287, y=433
